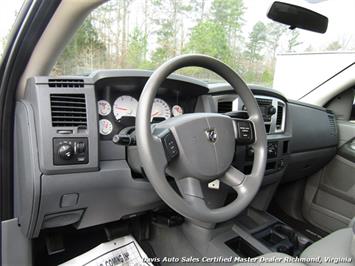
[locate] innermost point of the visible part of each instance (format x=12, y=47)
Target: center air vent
x=225, y=107
x=66, y=83
x=279, y=116
x=264, y=102
x=68, y=110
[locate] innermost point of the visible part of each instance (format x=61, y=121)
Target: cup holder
x=273, y=238
x=282, y=238
x=242, y=247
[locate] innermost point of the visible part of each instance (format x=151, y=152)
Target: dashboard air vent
x=66, y=83
x=68, y=110
x=224, y=107
x=263, y=102
x=279, y=116
x=332, y=125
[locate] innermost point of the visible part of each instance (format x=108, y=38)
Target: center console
x=267, y=231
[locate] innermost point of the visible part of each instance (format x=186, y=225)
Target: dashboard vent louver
x=263, y=102
x=332, y=124
x=279, y=116
x=68, y=110
x=224, y=107
x=66, y=83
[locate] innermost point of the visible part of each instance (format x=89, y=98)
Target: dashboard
x=78, y=176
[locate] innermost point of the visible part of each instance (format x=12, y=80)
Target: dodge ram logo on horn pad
x=211, y=135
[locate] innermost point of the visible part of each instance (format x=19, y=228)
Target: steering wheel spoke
x=233, y=177
x=191, y=190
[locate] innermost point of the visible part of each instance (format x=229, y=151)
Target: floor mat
x=120, y=251
x=312, y=232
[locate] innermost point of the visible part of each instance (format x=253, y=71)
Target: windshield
x=142, y=34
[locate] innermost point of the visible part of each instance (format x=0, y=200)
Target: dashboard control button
x=66, y=151
x=271, y=110
x=80, y=147
x=272, y=150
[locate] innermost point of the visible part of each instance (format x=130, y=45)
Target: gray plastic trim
x=310, y=129
x=39, y=97
x=117, y=73
x=15, y=247
x=26, y=168
x=104, y=196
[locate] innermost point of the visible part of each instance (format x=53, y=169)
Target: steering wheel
x=199, y=147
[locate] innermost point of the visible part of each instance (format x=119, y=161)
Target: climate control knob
x=66, y=151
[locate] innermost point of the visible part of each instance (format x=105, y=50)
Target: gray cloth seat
x=337, y=245
x=335, y=249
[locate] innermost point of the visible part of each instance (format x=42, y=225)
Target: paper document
x=121, y=251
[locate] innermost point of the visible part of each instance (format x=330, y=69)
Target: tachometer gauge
x=160, y=109
x=105, y=127
x=104, y=107
x=125, y=106
x=177, y=110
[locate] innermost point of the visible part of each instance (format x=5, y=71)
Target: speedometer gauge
x=125, y=106
x=105, y=127
x=104, y=107
x=160, y=109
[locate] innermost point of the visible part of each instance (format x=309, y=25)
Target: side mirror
x=298, y=17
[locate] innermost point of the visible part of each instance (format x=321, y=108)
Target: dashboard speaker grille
x=68, y=110
x=224, y=107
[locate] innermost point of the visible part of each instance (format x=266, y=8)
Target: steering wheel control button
x=245, y=132
x=68, y=151
x=170, y=146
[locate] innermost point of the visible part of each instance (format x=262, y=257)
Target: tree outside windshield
x=145, y=33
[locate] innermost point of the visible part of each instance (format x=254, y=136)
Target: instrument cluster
x=124, y=110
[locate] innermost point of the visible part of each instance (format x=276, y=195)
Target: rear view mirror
x=298, y=17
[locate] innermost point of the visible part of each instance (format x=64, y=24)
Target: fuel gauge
x=103, y=107
x=177, y=110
